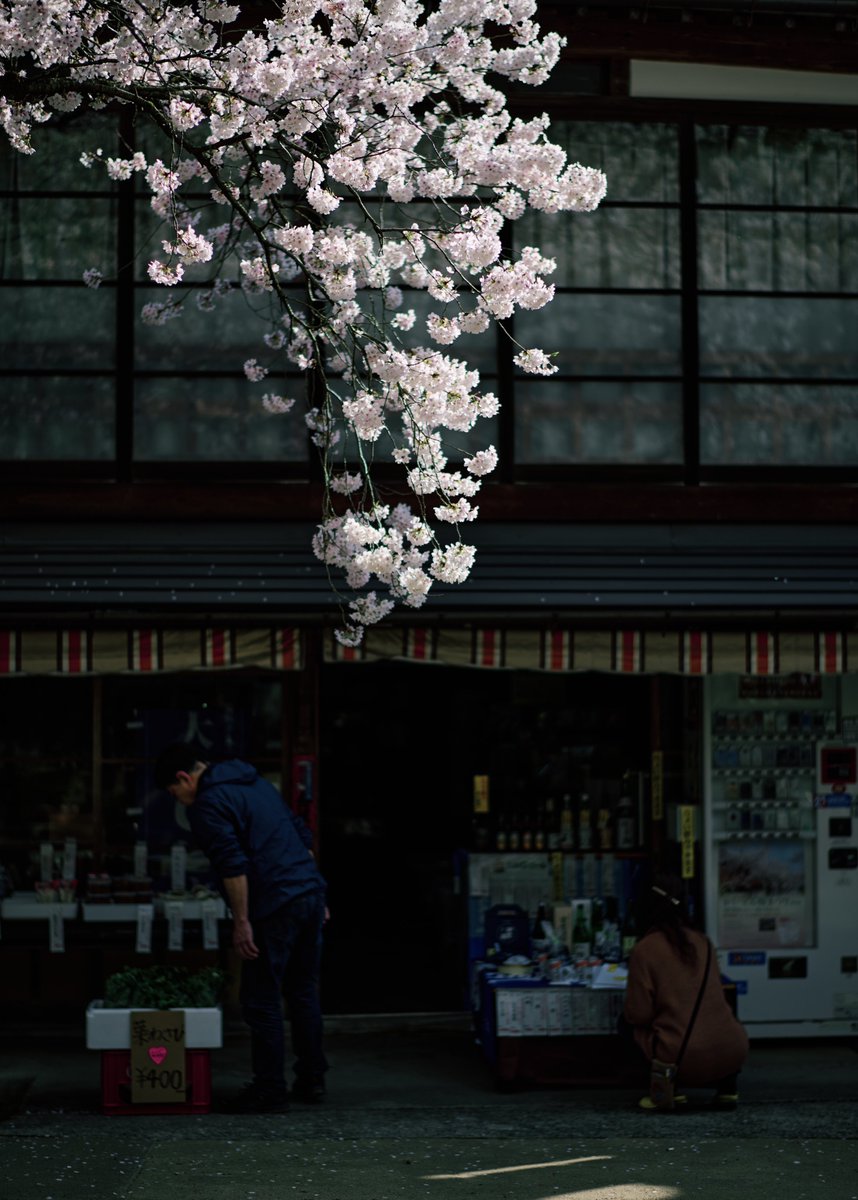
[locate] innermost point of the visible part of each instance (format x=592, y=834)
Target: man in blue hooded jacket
x=263, y=855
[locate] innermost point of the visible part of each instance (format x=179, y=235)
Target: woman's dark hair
x=665, y=910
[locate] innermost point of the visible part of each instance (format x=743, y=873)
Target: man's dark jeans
x=290, y=948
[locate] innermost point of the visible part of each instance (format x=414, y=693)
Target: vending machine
x=781, y=849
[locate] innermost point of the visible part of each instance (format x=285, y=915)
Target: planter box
x=108, y=1028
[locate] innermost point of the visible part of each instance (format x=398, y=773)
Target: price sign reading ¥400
x=158, y=1057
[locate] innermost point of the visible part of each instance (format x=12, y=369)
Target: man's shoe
x=256, y=1099
x=726, y=1101
x=308, y=1092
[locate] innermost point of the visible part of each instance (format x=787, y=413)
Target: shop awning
x=695, y=600
x=761, y=652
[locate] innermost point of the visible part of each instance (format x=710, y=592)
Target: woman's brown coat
x=660, y=999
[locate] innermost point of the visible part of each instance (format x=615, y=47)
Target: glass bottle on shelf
x=604, y=826
x=611, y=930
x=552, y=830
x=580, y=935
x=539, y=836
x=567, y=836
x=585, y=826
x=513, y=837
x=626, y=839
x=597, y=928
x=501, y=834
x=540, y=933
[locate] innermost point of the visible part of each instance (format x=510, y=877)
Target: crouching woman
x=675, y=1008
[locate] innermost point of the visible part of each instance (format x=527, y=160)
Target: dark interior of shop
x=399, y=747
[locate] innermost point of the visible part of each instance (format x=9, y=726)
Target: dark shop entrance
x=400, y=746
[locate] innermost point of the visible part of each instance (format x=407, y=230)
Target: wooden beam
x=782, y=503
x=806, y=45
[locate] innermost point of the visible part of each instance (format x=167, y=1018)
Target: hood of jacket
x=232, y=771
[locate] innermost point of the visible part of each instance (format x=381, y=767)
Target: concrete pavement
x=412, y=1114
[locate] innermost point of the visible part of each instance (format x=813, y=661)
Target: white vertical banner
x=56, y=930
x=70, y=859
x=178, y=867
x=141, y=860
x=144, y=928
x=174, y=911
x=208, y=911
x=46, y=862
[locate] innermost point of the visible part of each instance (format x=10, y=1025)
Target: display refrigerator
x=780, y=836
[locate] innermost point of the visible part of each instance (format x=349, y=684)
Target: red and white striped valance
x=146, y=650
x=623, y=651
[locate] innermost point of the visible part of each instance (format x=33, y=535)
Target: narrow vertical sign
x=70, y=858
x=57, y=929
x=208, y=912
x=686, y=839
x=178, y=866
x=144, y=928
x=174, y=910
x=158, y=1057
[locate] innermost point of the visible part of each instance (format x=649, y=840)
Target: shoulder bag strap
x=697, y=1003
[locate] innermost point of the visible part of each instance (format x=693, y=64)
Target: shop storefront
x=667, y=548
x=446, y=766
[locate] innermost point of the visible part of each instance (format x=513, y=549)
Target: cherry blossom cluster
x=345, y=167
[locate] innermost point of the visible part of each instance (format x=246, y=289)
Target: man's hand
x=242, y=940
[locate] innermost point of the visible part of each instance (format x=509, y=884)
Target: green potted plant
x=158, y=988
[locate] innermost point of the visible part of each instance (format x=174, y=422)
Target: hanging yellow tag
x=686, y=839
x=481, y=793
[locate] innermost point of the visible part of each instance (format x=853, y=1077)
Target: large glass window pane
x=779, y=425
x=590, y=422
x=753, y=336
x=609, y=248
x=779, y=251
x=56, y=165
x=150, y=231
x=205, y=341
x=53, y=418
x=56, y=239
x=57, y=327
x=787, y=167
x=211, y=419
x=607, y=335
x=640, y=161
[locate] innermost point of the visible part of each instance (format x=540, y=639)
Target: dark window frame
x=689, y=472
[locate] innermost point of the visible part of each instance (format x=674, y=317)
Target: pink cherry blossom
x=273, y=133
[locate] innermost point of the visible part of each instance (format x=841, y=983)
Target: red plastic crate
x=116, y=1086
